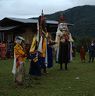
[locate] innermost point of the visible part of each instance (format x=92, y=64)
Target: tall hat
x=62, y=25
x=42, y=21
x=61, y=18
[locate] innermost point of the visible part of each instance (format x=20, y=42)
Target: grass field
x=79, y=80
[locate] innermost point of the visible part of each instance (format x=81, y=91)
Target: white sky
x=30, y=8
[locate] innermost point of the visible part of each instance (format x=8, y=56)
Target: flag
x=40, y=45
x=38, y=32
x=33, y=45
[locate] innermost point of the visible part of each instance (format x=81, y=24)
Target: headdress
x=19, y=39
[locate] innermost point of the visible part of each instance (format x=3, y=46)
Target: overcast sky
x=31, y=8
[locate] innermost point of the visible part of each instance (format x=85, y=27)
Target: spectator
x=91, y=51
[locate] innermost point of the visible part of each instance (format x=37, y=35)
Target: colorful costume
x=50, y=51
x=19, y=60
x=35, y=68
x=64, y=44
x=42, y=48
x=3, y=50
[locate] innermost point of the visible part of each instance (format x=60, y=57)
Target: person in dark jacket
x=91, y=51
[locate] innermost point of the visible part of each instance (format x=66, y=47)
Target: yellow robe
x=19, y=57
x=19, y=54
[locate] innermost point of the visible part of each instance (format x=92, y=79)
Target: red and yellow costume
x=19, y=60
x=19, y=54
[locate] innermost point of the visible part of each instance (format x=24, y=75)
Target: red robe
x=82, y=54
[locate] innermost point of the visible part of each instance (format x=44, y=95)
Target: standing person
x=42, y=47
x=10, y=49
x=91, y=51
x=43, y=51
x=64, y=53
x=3, y=50
x=19, y=60
x=64, y=44
x=82, y=54
x=50, y=51
x=0, y=48
x=35, y=69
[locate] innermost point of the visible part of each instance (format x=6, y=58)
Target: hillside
x=83, y=18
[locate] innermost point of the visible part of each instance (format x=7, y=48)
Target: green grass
x=55, y=83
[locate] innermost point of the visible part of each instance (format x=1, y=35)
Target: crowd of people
x=91, y=52
x=37, y=56
x=40, y=53
x=38, y=64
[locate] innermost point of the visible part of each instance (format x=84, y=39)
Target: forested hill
x=83, y=18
